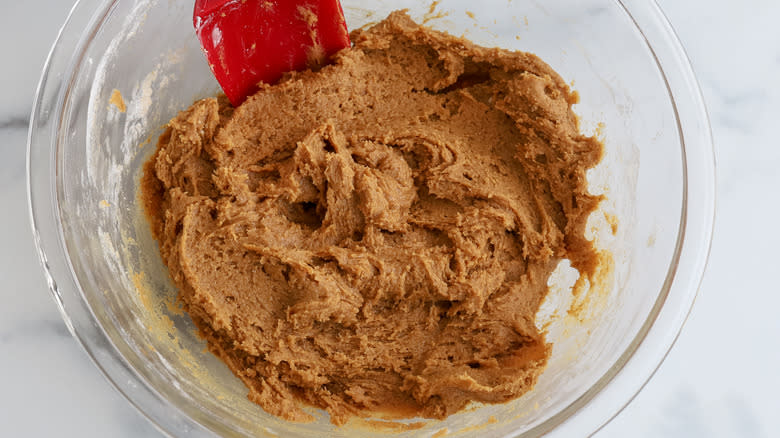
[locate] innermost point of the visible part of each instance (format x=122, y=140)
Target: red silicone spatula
x=252, y=41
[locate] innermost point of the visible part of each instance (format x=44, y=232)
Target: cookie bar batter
x=377, y=236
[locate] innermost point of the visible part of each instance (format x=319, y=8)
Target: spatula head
x=251, y=41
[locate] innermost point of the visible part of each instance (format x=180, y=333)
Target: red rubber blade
x=251, y=41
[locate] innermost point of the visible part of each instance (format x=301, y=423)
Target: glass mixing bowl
x=105, y=272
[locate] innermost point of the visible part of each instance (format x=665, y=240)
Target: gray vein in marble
x=687, y=415
x=747, y=98
x=595, y=11
x=734, y=110
x=13, y=145
x=35, y=331
x=727, y=121
x=15, y=123
x=682, y=416
x=744, y=418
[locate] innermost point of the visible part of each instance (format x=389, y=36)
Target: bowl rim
x=585, y=416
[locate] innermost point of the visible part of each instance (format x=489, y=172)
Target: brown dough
x=377, y=236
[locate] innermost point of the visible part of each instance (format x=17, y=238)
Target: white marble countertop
x=722, y=379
